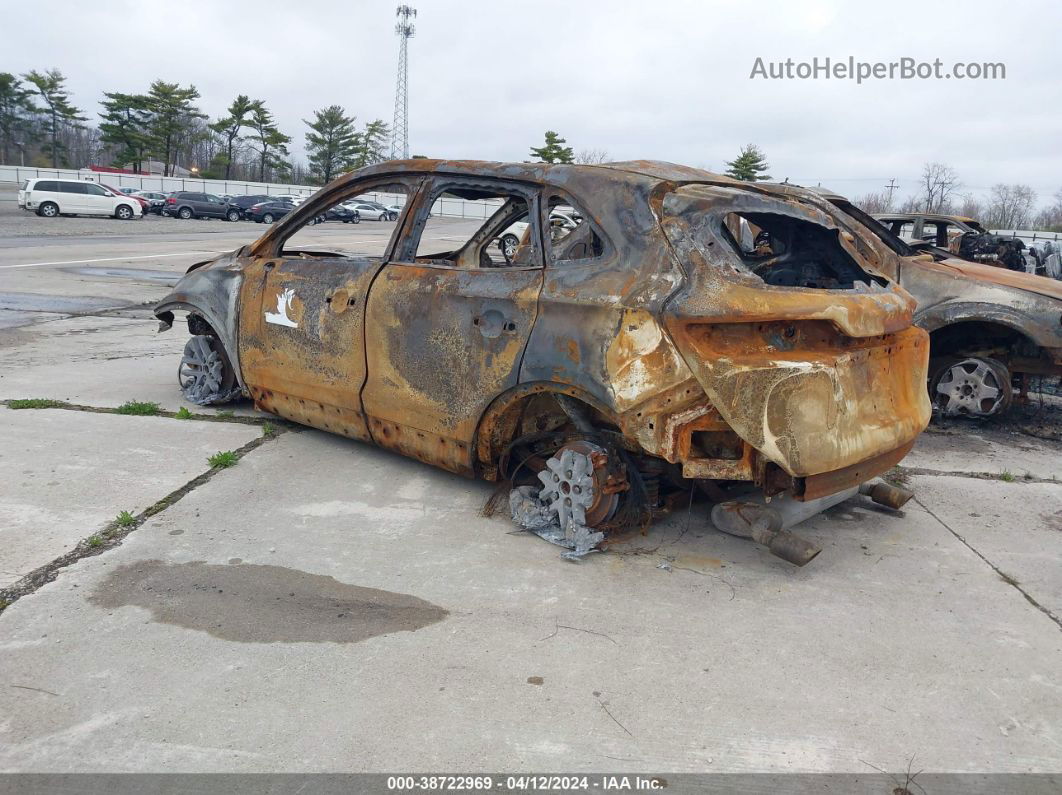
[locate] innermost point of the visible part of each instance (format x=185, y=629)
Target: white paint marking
x=280, y=317
x=110, y=259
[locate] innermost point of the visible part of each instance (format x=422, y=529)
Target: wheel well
x=530, y=408
x=977, y=336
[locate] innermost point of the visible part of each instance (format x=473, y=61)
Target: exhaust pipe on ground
x=768, y=524
x=886, y=494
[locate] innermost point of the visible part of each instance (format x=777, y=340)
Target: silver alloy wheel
x=268, y=218
x=974, y=387
x=202, y=371
x=509, y=245
x=123, y=213
x=49, y=210
x=185, y=213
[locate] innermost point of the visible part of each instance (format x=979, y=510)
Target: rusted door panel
x=302, y=339
x=441, y=344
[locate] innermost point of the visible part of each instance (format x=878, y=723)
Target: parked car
x=560, y=223
x=644, y=352
x=145, y=204
x=269, y=211
x=244, y=203
x=157, y=200
x=344, y=214
x=988, y=326
x=54, y=197
x=372, y=211
x=187, y=204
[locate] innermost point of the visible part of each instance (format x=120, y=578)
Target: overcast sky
x=660, y=79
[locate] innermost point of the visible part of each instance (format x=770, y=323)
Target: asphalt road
x=326, y=606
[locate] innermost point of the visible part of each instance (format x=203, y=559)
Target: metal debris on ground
x=532, y=514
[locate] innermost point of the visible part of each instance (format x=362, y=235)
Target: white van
x=54, y=197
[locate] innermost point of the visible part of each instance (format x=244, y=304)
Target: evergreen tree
x=58, y=112
x=172, y=115
x=271, y=142
x=127, y=124
x=229, y=127
x=749, y=165
x=374, y=143
x=333, y=145
x=16, y=114
x=554, y=150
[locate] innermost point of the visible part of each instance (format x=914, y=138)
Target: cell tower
x=400, y=129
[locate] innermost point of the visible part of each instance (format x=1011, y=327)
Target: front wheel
x=233, y=215
x=48, y=210
x=123, y=213
x=205, y=375
x=974, y=386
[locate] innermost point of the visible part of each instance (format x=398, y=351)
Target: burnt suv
x=647, y=346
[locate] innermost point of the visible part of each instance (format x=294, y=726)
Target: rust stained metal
x=662, y=333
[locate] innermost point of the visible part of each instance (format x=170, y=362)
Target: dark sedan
x=268, y=212
x=344, y=214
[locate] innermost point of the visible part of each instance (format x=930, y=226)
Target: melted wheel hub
x=202, y=371
x=575, y=485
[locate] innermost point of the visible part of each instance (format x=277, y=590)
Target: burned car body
x=646, y=346
x=989, y=327
x=963, y=237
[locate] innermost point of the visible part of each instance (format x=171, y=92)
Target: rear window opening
x=790, y=252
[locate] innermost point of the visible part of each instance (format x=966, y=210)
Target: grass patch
x=1006, y=476
x=4, y=604
x=125, y=519
x=226, y=413
x=268, y=429
x=139, y=408
x=223, y=460
x=183, y=414
x=95, y=541
x=35, y=403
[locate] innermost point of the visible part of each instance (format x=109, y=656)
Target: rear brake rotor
x=575, y=485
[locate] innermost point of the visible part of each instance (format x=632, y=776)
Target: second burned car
x=644, y=349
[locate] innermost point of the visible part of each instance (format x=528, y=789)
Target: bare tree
x=874, y=202
x=938, y=183
x=1010, y=206
x=1049, y=219
x=592, y=156
x=912, y=204
x=971, y=207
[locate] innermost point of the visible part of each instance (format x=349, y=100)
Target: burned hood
x=1040, y=285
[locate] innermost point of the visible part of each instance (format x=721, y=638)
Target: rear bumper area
x=826, y=483
x=813, y=401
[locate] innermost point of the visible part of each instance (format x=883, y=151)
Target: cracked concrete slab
x=1016, y=526
x=68, y=473
x=730, y=661
x=983, y=448
x=99, y=361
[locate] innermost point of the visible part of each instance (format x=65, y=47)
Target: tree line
x=41, y=126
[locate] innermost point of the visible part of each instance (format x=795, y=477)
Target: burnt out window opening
x=505, y=240
x=786, y=251
x=333, y=231
x=572, y=238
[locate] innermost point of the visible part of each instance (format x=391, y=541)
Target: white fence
x=161, y=184
x=452, y=207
